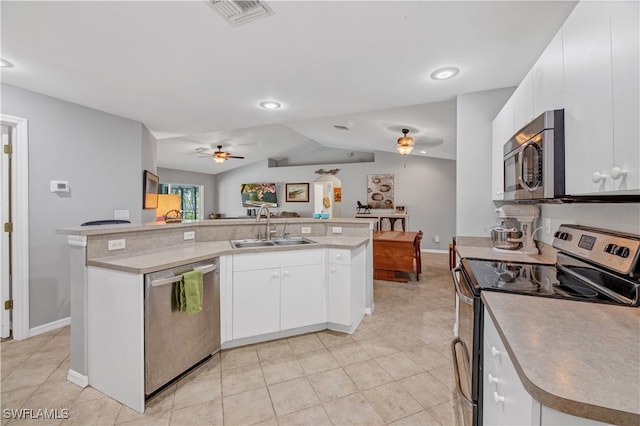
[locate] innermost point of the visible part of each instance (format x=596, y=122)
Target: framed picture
x=380, y=191
x=337, y=195
x=297, y=192
x=150, y=185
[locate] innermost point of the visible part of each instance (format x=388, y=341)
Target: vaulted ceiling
x=195, y=81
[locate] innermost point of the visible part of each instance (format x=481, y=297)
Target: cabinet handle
x=338, y=256
x=275, y=275
x=285, y=273
x=617, y=173
x=497, y=398
x=598, y=177
x=494, y=351
x=333, y=270
x=492, y=380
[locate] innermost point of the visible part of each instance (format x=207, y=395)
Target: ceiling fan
x=220, y=156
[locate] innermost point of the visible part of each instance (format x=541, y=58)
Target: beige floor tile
x=247, y=407
x=101, y=411
x=89, y=394
x=311, y=416
x=27, y=375
x=446, y=413
x=378, y=347
x=421, y=418
x=368, y=374
x=282, y=370
x=60, y=374
x=293, y=395
x=392, y=402
x=271, y=351
x=426, y=389
x=364, y=332
x=52, y=395
x=332, y=384
x=239, y=357
x=427, y=357
x=305, y=343
x=404, y=341
x=16, y=398
x=206, y=413
x=194, y=390
x=317, y=362
x=331, y=339
x=399, y=365
x=352, y=410
x=242, y=379
x=350, y=353
x=158, y=408
x=445, y=375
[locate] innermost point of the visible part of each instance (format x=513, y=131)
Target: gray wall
x=100, y=155
x=193, y=178
x=475, y=114
x=425, y=186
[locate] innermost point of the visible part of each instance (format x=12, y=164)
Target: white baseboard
x=44, y=328
x=77, y=378
x=370, y=310
x=434, y=251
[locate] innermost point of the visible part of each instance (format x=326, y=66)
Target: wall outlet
x=306, y=230
x=189, y=235
x=436, y=239
x=337, y=230
x=121, y=214
x=547, y=226
x=116, y=244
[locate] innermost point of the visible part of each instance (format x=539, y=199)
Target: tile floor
x=396, y=369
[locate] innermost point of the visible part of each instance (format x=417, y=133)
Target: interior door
x=5, y=246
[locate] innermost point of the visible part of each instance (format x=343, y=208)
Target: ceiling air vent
x=238, y=12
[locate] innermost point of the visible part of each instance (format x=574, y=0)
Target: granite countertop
x=154, y=260
x=480, y=248
x=580, y=358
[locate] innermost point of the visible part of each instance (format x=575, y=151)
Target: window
x=191, y=201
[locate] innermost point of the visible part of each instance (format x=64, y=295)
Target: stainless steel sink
x=249, y=243
x=293, y=242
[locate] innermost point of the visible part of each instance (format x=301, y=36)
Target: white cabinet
x=505, y=400
x=275, y=291
x=523, y=102
x=502, y=129
x=548, y=78
x=601, y=55
x=346, y=283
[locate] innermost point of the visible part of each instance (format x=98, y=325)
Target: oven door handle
x=465, y=299
x=456, y=370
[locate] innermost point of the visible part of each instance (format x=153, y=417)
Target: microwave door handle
x=465, y=299
x=524, y=184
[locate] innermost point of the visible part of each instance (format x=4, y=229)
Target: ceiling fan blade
x=235, y=156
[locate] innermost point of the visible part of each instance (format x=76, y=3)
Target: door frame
x=19, y=210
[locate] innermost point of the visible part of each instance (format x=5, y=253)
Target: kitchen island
x=336, y=267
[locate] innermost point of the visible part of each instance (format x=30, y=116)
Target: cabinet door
x=301, y=296
x=625, y=47
x=548, y=78
x=588, y=117
x=502, y=129
x=256, y=302
x=339, y=298
x=523, y=102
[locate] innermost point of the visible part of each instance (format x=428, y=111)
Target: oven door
x=466, y=351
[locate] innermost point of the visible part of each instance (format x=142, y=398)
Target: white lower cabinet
x=339, y=300
x=300, y=296
x=346, y=284
x=256, y=302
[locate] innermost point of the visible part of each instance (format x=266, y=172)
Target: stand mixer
x=526, y=215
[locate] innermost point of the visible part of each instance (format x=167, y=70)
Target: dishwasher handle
x=170, y=280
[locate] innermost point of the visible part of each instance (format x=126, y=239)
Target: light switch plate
x=116, y=244
x=337, y=230
x=189, y=235
x=306, y=230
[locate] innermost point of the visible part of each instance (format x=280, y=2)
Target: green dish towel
x=189, y=292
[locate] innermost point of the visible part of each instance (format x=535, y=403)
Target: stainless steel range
x=593, y=265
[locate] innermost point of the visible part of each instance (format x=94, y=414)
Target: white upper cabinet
x=548, y=78
x=523, y=102
x=625, y=45
x=502, y=129
x=588, y=98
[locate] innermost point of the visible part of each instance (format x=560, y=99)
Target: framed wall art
x=380, y=191
x=297, y=192
x=150, y=183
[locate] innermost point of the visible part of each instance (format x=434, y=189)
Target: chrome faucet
x=268, y=232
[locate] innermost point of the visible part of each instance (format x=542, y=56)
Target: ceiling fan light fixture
x=270, y=104
x=218, y=159
x=405, y=143
x=445, y=73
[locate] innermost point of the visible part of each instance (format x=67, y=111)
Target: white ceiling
x=195, y=81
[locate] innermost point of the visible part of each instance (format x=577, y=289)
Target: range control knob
x=610, y=248
x=622, y=252
x=561, y=235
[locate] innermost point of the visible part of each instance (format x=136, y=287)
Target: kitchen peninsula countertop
x=154, y=260
x=480, y=248
x=576, y=357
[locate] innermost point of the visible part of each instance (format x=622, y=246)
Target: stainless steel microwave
x=534, y=159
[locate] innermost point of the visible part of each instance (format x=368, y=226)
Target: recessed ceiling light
x=445, y=73
x=423, y=152
x=270, y=104
x=5, y=64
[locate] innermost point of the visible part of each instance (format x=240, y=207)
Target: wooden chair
x=416, y=254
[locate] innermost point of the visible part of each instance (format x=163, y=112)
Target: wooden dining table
x=392, y=251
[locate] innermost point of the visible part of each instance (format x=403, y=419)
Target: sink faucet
x=285, y=234
x=268, y=232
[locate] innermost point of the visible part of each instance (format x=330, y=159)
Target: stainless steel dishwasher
x=173, y=340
